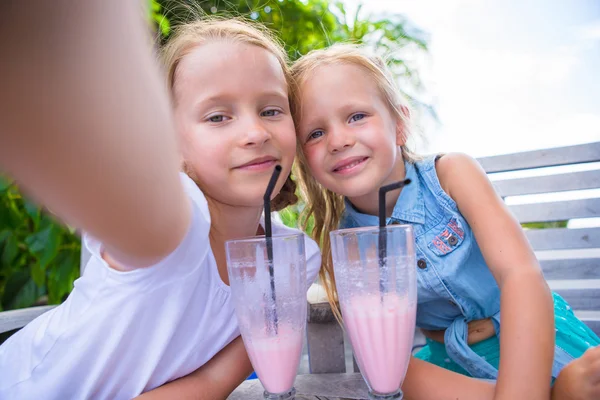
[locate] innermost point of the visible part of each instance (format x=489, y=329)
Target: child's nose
x=256, y=134
x=340, y=139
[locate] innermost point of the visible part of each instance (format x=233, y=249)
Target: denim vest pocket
x=448, y=239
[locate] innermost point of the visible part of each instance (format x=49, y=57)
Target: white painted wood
x=574, y=268
x=548, y=184
x=557, y=210
x=15, y=319
x=583, y=153
x=563, y=238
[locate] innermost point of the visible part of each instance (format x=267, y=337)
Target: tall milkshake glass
x=375, y=273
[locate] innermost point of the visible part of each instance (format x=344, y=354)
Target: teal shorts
x=572, y=335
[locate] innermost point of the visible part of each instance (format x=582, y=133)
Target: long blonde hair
x=186, y=37
x=325, y=206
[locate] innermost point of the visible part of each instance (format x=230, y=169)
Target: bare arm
x=214, y=380
x=527, y=338
x=86, y=125
x=425, y=381
x=228, y=369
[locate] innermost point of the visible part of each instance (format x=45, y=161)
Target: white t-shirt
x=123, y=333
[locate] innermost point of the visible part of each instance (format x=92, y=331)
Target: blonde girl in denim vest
x=477, y=274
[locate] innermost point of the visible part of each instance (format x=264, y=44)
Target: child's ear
x=401, y=125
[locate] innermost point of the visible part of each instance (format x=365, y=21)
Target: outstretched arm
x=86, y=125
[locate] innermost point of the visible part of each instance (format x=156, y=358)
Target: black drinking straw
x=269, y=239
x=382, y=232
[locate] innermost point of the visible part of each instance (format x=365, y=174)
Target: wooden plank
x=355, y=367
x=581, y=299
x=557, y=210
x=313, y=387
x=573, y=268
x=548, y=184
x=15, y=319
x=563, y=238
x=325, y=342
x=583, y=153
x=320, y=313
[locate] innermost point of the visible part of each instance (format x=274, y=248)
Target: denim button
x=422, y=264
x=452, y=240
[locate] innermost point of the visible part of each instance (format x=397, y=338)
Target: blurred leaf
x=154, y=6
x=4, y=235
x=33, y=211
x=44, y=244
x=289, y=216
x=38, y=274
x=163, y=24
x=5, y=183
x=9, y=251
x=15, y=283
x=26, y=296
x=10, y=215
x=159, y=18
x=60, y=280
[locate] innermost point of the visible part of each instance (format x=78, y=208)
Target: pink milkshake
x=276, y=358
x=381, y=332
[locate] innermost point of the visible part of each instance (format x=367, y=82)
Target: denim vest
x=455, y=285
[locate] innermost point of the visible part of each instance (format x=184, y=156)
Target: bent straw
x=268, y=238
x=382, y=232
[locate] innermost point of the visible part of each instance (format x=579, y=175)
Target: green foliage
x=39, y=258
x=156, y=17
x=311, y=24
x=304, y=25
x=545, y=225
x=291, y=217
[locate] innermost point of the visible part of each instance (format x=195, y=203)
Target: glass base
x=390, y=396
x=289, y=395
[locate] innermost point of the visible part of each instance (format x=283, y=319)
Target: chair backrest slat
x=562, y=238
x=550, y=183
x=571, y=268
x=557, y=210
x=583, y=153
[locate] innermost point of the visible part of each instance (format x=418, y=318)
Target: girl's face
x=348, y=134
x=233, y=118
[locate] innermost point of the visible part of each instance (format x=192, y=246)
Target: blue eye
x=357, y=117
x=270, y=113
x=216, y=118
x=315, y=134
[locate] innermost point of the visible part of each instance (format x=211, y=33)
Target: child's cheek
x=312, y=157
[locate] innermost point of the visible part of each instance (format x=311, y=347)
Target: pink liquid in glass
x=275, y=359
x=382, y=334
